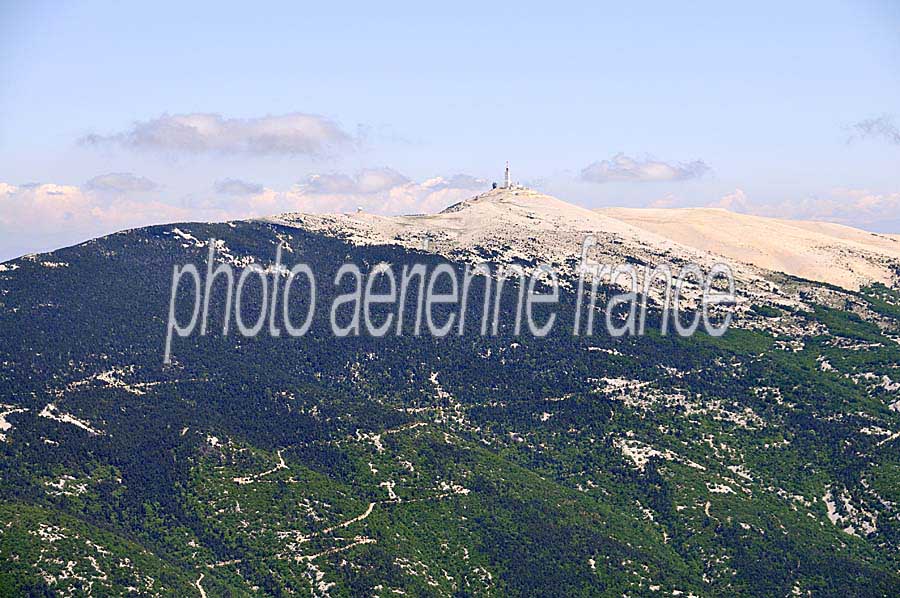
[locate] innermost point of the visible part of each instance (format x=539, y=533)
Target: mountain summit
x=518, y=222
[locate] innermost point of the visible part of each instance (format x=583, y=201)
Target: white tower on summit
x=507, y=182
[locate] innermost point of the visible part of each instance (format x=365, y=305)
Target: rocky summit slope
x=522, y=223
x=506, y=225
x=763, y=462
x=820, y=251
x=774, y=262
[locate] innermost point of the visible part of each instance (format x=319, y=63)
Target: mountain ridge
x=822, y=251
x=759, y=463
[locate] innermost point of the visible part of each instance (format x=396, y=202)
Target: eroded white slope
x=504, y=225
x=820, y=251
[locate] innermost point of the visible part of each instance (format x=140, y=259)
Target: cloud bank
x=621, y=168
x=237, y=187
x=378, y=190
x=121, y=182
x=366, y=181
x=855, y=207
x=859, y=208
x=290, y=134
x=42, y=217
x=736, y=201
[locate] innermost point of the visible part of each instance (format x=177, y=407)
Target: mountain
x=825, y=252
x=761, y=462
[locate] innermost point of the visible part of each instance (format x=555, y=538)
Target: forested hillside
x=764, y=462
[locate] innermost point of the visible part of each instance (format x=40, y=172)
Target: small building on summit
x=507, y=181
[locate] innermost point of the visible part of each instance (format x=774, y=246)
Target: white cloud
x=237, y=187
x=121, y=182
x=457, y=181
x=860, y=208
x=621, y=168
x=667, y=201
x=736, y=201
x=289, y=134
x=382, y=191
x=370, y=180
x=45, y=216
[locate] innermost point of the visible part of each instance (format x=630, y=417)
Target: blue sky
x=790, y=109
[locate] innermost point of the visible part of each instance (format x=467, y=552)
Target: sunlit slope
x=825, y=252
x=510, y=224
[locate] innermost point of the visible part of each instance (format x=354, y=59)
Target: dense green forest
x=759, y=463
